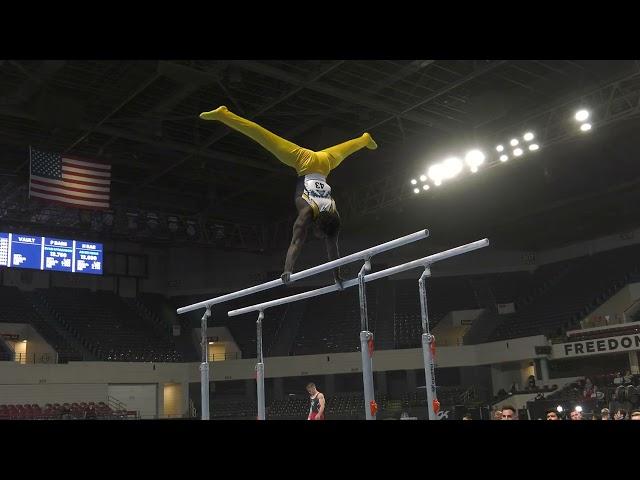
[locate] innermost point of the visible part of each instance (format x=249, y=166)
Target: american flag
x=70, y=180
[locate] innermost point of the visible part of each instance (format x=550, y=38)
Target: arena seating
x=549, y=300
x=332, y=324
x=588, y=282
x=107, y=327
x=17, y=308
x=444, y=294
x=66, y=411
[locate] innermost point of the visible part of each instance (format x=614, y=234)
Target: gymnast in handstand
x=313, y=199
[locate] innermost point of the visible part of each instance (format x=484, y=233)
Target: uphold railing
x=219, y=357
x=25, y=358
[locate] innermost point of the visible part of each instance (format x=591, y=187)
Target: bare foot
x=372, y=145
x=214, y=114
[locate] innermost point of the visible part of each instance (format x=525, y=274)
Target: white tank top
x=317, y=193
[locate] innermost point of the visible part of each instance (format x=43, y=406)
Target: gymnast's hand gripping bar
x=362, y=255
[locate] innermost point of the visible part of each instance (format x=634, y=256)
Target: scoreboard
x=50, y=254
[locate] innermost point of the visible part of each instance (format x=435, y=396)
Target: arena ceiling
x=142, y=117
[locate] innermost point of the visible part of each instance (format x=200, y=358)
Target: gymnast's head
x=327, y=225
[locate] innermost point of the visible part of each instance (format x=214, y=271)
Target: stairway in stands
x=68, y=348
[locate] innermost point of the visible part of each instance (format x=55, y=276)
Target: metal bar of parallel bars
x=421, y=262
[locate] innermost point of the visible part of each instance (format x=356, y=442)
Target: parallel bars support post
x=365, y=337
x=260, y=368
x=204, y=366
x=427, y=341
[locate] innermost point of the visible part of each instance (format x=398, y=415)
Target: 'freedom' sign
x=597, y=346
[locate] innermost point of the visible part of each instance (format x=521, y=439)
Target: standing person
x=316, y=411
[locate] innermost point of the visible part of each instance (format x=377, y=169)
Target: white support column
x=428, y=346
x=260, y=368
x=634, y=365
x=544, y=369
x=204, y=366
x=365, y=337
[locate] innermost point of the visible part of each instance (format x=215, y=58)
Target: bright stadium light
x=533, y=147
x=423, y=178
x=514, y=142
x=578, y=408
x=585, y=127
x=528, y=137
x=499, y=148
x=474, y=158
x=451, y=167
x=425, y=187
x=517, y=152
x=416, y=190
x=436, y=173
x=582, y=115
x=414, y=181
x=504, y=158
x=559, y=409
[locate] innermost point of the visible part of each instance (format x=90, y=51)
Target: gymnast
x=313, y=199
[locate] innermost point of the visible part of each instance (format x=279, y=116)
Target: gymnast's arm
x=333, y=253
x=300, y=228
x=321, y=409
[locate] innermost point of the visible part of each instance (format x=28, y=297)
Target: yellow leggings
x=305, y=161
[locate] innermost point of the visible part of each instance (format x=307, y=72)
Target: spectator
x=604, y=414
x=467, y=417
x=620, y=401
x=90, y=414
x=620, y=414
x=497, y=415
x=618, y=379
x=627, y=377
x=66, y=413
x=589, y=388
x=576, y=414
x=509, y=413
x=531, y=383
x=552, y=415
x=635, y=415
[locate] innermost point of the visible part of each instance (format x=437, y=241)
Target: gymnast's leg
x=341, y=151
x=287, y=152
